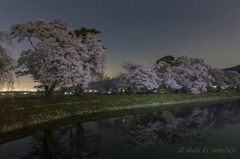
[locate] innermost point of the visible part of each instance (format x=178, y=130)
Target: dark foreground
x=210, y=131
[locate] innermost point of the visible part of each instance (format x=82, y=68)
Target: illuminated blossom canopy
x=7, y=64
x=233, y=77
x=118, y=82
x=219, y=76
x=163, y=71
x=192, y=74
x=59, y=55
x=140, y=76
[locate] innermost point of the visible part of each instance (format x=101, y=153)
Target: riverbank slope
x=20, y=113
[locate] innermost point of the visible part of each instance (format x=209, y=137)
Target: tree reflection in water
x=71, y=141
x=187, y=125
x=138, y=131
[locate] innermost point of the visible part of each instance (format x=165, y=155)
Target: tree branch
x=31, y=42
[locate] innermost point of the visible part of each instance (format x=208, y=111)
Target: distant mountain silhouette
x=236, y=68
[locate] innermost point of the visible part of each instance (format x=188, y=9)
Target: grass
x=70, y=102
x=10, y=136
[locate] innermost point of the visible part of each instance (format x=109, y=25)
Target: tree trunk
x=46, y=92
x=208, y=89
x=76, y=92
x=219, y=89
x=79, y=90
x=123, y=92
x=238, y=88
x=180, y=90
x=51, y=88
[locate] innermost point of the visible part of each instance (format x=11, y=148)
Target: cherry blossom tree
x=96, y=56
x=118, y=82
x=140, y=76
x=59, y=55
x=61, y=58
x=219, y=76
x=132, y=65
x=7, y=64
x=192, y=74
x=163, y=71
x=39, y=29
x=89, y=37
x=233, y=78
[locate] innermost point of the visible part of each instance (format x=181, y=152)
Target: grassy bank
x=30, y=130
x=92, y=101
x=24, y=112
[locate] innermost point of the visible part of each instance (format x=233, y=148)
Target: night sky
x=140, y=30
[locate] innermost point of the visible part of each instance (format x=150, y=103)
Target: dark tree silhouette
x=83, y=31
x=168, y=59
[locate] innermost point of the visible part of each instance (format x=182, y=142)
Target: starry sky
x=139, y=30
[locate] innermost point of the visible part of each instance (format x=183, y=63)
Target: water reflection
x=188, y=125
x=71, y=141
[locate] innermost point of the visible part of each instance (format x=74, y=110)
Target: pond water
x=211, y=131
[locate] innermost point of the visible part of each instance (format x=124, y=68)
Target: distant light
x=95, y=91
x=108, y=92
x=65, y=93
x=70, y=92
x=123, y=90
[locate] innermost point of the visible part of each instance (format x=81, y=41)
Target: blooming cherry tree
x=59, y=55
x=39, y=29
x=233, y=78
x=219, y=76
x=65, y=60
x=96, y=56
x=163, y=71
x=118, y=82
x=7, y=64
x=140, y=76
x=132, y=65
x=192, y=74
